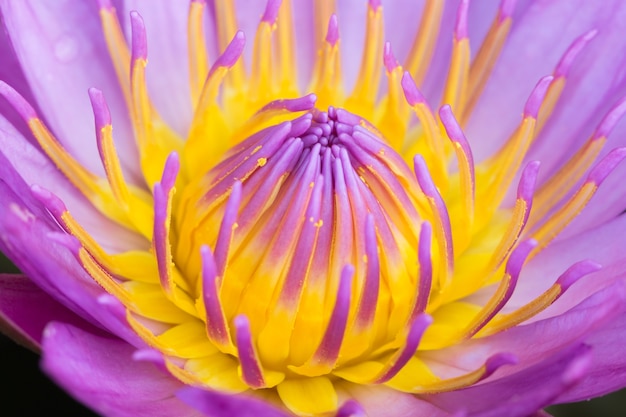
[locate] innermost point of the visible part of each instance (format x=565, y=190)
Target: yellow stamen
x=435, y=149
x=326, y=78
x=118, y=49
x=394, y=121
x=92, y=187
x=286, y=51
x=136, y=204
x=557, y=221
x=506, y=164
x=104, y=279
x=198, y=57
x=424, y=44
x=559, y=184
x=207, y=126
x=455, y=93
x=261, y=74
x=364, y=93
x=323, y=10
x=226, y=20
x=484, y=61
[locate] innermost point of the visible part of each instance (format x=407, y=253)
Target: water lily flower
x=307, y=208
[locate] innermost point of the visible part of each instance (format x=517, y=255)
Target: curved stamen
x=559, y=184
x=394, y=121
x=568, y=278
x=227, y=228
x=141, y=103
x=562, y=217
x=402, y=356
x=505, y=164
x=425, y=269
x=371, y=286
x=487, y=55
x=326, y=79
x=328, y=351
x=466, y=167
x=560, y=74
x=261, y=81
x=425, y=40
x=216, y=325
x=519, y=218
x=432, y=133
x=455, y=93
x=441, y=217
x=366, y=86
x=106, y=148
x=251, y=371
x=97, y=192
x=207, y=118
x=505, y=289
x=491, y=365
x=163, y=194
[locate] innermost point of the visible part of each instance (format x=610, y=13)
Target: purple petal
x=541, y=33
x=594, y=245
x=101, y=373
x=548, y=336
x=609, y=363
x=12, y=74
x=523, y=393
x=25, y=239
x=215, y=404
x=62, y=52
x=25, y=310
x=351, y=409
x=378, y=400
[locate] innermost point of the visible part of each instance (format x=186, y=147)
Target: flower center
x=314, y=198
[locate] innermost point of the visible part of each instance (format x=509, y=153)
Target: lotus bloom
x=360, y=209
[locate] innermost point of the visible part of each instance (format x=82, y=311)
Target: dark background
x=26, y=392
